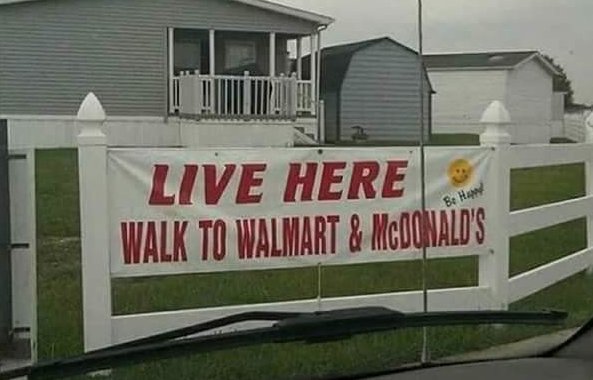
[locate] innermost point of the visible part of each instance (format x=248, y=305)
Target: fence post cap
x=496, y=118
x=91, y=109
x=496, y=113
x=90, y=118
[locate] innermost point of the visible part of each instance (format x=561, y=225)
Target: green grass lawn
x=60, y=318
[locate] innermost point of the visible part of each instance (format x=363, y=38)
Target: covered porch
x=240, y=75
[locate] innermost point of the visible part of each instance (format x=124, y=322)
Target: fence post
x=92, y=167
x=281, y=104
x=214, y=89
x=188, y=94
x=589, y=183
x=269, y=95
x=183, y=101
x=246, y=93
x=494, y=267
x=294, y=94
x=197, y=91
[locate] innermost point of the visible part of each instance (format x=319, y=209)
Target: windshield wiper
x=289, y=327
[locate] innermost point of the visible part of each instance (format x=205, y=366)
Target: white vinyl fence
x=531, y=219
x=23, y=247
x=575, y=127
x=494, y=290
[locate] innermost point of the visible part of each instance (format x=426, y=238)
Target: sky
x=562, y=29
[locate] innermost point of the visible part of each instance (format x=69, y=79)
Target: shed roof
x=263, y=4
x=505, y=60
x=335, y=61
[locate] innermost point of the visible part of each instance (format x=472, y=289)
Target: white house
x=466, y=83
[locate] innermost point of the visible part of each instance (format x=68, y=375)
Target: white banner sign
x=189, y=211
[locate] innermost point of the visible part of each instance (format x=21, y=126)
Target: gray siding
x=380, y=93
x=52, y=52
x=331, y=116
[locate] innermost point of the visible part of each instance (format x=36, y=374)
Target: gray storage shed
x=372, y=86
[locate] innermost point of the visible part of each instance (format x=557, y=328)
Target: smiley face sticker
x=460, y=172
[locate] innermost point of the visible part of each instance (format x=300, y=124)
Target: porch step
x=17, y=355
x=301, y=138
x=18, y=349
x=8, y=364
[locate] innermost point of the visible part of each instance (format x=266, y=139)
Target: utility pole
x=425, y=356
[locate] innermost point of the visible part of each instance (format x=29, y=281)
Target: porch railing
x=305, y=98
x=174, y=96
x=226, y=96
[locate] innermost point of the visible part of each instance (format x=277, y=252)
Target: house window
x=188, y=51
x=187, y=56
x=239, y=53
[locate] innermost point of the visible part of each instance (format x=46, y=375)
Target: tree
x=561, y=82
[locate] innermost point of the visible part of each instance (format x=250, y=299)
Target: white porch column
x=299, y=52
x=313, y=71
x=318, y=75
x=272, y=54
x=212, y=52
x=171, y=66
x=212, y=71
